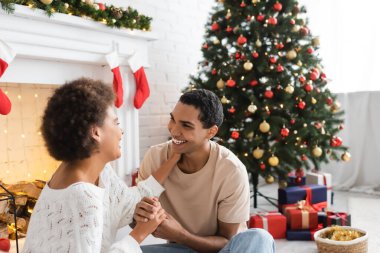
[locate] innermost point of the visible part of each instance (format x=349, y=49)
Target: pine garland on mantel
x=107, y=14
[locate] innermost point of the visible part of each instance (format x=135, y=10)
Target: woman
x=84, y=203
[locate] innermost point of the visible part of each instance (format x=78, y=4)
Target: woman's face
x=110, y=136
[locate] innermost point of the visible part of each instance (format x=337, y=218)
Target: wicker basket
x=359, y=245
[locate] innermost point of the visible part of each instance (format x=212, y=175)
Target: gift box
x=302, y=235
x=295, y=180
x=273, y=222
x=315, y=196
x=338, y=218
x=321, y=178
x=300, y=216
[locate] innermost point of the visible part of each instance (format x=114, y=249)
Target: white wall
x=179, y=25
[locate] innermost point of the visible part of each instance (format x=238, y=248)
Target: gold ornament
x=317, y=151
x=89, y=2
x=269, y=179
x=346, y=156
x=335, y=107
x=228, y=15
x=315, y=42
x=296, y=28
x=220, y=84
x=248, y=65
x=250, y=135
x=252, y=108
x=273, y=161
x=299, y=63
x=313, y=101
x=282, y=184
x=258, y=43
x=291, y=54
x=216, y=42
x=46, y=2
x=289, y=89
x=255, y=1
x=258, y=153
x=66, y=5
x=264, y=127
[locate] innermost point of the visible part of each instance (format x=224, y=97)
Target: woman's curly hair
x=70, y=113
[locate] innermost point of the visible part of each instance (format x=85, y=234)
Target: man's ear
x=95, y=133
x=212, y=131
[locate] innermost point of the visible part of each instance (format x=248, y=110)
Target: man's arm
x=171, y=230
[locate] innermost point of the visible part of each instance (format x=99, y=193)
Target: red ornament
x=102, y=7
x=242, y=5
x=5, y=245
x=304, y=31
x=302, y=79
x=213, y=72
x=243, y=57
x=268, y=94
x=298, y=180
x=262, y=166
x=229, y=29
x=231, y=83
x=336, y=142
x=272, y=59
x=318, y=125
x=316, y=71
x=313, y=76
x=292, y=22
x=241, y=40
x=215, y=27
x=248, y=18
x=280, y=68
x=277, y=6
x=303, y=157
x=272, y=21
x=341, y=127
x=284, y=132
x=329, y=101
x=253, y=83
x=260, y=17
x=205, y=46
x=255, y=55
x=232, y=110
x=301, y=105
x=310, y=50
x=279, y=46
x=323, y=76
x=237, y=55
x=300, y=172
x=235, y=135
x=292, y=121
x=308, y=87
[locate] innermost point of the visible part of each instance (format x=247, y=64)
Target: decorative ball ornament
x=277, y=6
x=272, y=21
x=220, y=84
x=253, y=83
x=228, y=15
x=258, y=43
x=255, y=55
x=296, y=28
x=282, y=184
x=291, y=54
x=292, y=121
x=298, y=180
x=214, y=72
x=273, y=161
x=89, y=2
x=302, y=79
x=235, y=135
x=280, y=68
x=272, y=59
x=308, y=87
x=310, y=50
x=303, y=157
x=229, y=29
x=232, y=110
x=269, y=179
x=242, y=5
x=268, y=94
x=102, y=7
x=304, y=31
x=264, y=127
x=292, y=22
x=258, y=153
x=260, y=17
x=314, y=75
x=299, y=63
x=117, y=13
x=224, y=100
x=46, y=2
x=262, y=166
x=231, y=83
x=241, y=40
x=284, y=132
x=96, y=7
x=301, y=105
x=205, y=46
x=279, y=46
x=313, y=101
x=346, y=156
x=215, y=27
x=289, y=89
x=248, y=65
x=252, y=108
x=317, y=151
x=316, y=42
x=329, y=101
x=216, y=42
x=336, y=141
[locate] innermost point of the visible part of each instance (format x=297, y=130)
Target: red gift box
x=273, y=222
x=300, y=216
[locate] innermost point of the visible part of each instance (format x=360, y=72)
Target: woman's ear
x=95, y=133
x=212, y=131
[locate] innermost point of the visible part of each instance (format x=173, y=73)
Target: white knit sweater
x=84, y=218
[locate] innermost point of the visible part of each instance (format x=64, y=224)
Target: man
x=207, y=193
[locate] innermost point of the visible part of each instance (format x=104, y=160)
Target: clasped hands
x=168, y=228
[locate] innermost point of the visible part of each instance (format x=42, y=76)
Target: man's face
x=187, y=132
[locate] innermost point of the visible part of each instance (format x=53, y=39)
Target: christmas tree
x=261, y=59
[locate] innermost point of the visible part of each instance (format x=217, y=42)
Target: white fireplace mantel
x=62, y=48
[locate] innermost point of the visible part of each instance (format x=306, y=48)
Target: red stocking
x=142, y=86
x=113, y=62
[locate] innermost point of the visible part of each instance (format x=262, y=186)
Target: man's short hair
x=70, y=113
x=209, y=105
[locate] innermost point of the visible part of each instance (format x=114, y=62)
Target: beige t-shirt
x=219, y=191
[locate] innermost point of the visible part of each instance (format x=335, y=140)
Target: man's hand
x=171, y=230
x=146, y=209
